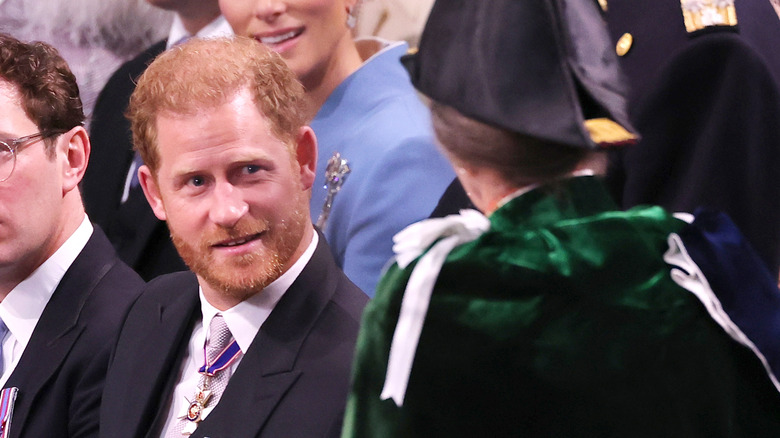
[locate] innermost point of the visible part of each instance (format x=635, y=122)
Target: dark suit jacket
x=292, y=382
x=61, y=372
x=142, y=241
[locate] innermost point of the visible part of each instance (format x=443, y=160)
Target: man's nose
x=228, y=205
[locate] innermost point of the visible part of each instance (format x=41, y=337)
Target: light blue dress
x=377, y=122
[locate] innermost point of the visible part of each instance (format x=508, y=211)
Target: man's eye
x=251, y=168
x=197, y=181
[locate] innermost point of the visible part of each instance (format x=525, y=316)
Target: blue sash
x=739, y=278
x=225, y=358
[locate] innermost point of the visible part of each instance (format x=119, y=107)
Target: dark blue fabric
x=739, y=278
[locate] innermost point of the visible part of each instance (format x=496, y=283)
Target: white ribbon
x=410, y=243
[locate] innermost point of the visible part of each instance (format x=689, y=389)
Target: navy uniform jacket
x=292, y=382
x=707, y=105
x=61, y=373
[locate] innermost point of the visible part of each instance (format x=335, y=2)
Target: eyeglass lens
x=7, y=161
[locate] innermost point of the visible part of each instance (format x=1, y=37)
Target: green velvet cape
x=561, y=321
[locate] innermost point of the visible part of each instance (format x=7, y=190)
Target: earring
x=351, y=19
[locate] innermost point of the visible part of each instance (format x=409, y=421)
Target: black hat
x=543, y=68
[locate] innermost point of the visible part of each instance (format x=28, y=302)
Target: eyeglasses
x=9, y=148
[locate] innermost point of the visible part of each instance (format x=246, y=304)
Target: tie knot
x=219, y=337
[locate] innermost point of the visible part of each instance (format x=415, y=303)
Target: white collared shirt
x=217, y=28
x=244, y=321
x=23, y=306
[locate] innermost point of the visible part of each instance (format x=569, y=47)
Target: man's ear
x=74, y=146
x=306, y=155
x=152, y=191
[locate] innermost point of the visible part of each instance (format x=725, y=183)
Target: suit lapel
x=267, y=371
x=148, y=356
x=58, y=328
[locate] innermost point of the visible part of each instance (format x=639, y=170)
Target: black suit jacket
x=292, y=382
x=142, y=241
x=61, y=372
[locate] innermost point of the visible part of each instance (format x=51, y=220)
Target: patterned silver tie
x=210, y=388
x=219, y=338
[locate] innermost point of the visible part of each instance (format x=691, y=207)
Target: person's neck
x=484, y=186
x=18, y=271
x=196, y=19
x=496, y=198
x=11, y=276
x=320, y=84
x=221, y=301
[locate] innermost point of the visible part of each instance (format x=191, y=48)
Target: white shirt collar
x=23, y=306
x=245, y=318
x=217, y=28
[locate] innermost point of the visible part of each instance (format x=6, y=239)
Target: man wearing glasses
x=63, y=291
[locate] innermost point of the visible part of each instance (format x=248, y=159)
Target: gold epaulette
x=606, y=132
x=699, y=14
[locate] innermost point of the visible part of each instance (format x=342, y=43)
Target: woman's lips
x=280, y=40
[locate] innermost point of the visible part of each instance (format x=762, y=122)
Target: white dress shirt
x=244, y=321
x=23, y=306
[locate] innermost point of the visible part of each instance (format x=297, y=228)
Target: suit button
x=624, y=44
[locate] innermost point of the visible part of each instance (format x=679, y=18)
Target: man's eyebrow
x=252, y=156
x=240, y=159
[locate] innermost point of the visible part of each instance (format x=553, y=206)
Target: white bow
x=409, y=244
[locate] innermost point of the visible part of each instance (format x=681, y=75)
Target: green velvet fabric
x=561, y=321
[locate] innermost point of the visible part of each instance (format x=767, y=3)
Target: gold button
x=624, y=44
x=603, y=4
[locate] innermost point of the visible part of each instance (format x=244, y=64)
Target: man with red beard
x=258, y=339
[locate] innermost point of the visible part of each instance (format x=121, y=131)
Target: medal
x=196, y=407
x=193, y=412
x=7, y=400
